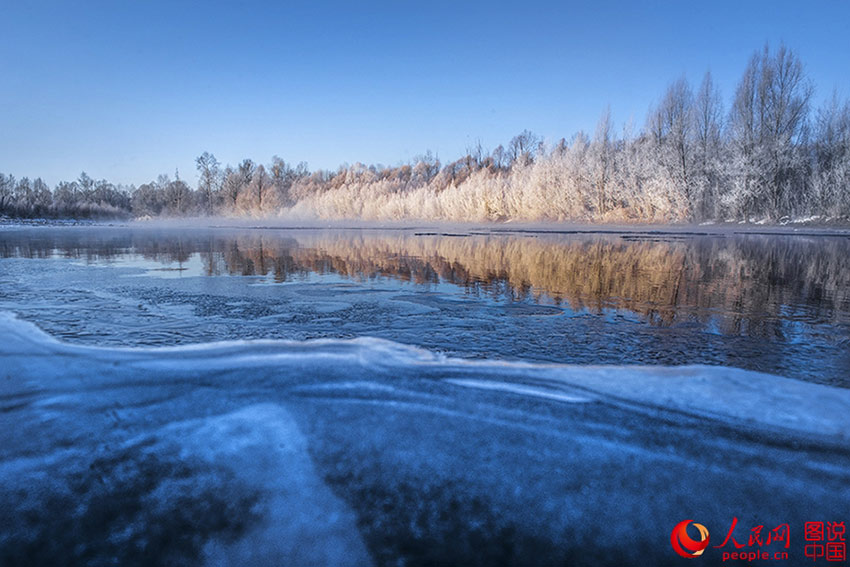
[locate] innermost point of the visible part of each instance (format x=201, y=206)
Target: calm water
x=359, y=452
x=778, y=304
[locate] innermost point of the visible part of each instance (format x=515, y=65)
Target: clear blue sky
x=127, y=90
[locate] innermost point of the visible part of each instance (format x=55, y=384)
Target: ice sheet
x=335, y=452
x=730, y=394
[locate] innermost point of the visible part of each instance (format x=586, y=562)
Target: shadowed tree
x=85, y=184
x=831, y=175
x=209, y=182
x=7, y=192
x=282, y=176
x=523, y=147
x=178, y=196
x=601, y=160
x=708, y=127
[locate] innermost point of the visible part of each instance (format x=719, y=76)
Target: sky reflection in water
x=772, y=303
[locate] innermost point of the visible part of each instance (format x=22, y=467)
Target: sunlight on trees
x=771, y=157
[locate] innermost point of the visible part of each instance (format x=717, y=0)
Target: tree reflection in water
x=778, y=304
x=742, y=284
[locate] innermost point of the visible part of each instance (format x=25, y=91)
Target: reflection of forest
x=744, y=284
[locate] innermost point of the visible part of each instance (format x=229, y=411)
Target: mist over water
x=772, y=303
x=526, y=345
x=429, y=434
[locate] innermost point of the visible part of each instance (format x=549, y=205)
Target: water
x=770, y=303
x=473, y=399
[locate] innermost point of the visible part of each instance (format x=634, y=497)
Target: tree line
x=767, y=154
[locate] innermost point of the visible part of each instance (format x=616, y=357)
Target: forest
x=766, y=154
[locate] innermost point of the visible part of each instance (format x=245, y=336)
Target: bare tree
x=178, y=195
x=670, y=128
x=7, y=192
x=475, y=155
x=831, y=169
x=258, y=196
x=523, y=147
x=500, y=157
x=601, y=160
x=708, y=127
x=246, y=171
x=767, y=159
x=283, y=176
x=231, y=186
x=209, y=182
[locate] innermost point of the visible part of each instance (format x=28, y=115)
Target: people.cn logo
x=686, y=546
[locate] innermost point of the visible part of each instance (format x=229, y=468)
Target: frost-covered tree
x=209, y=181
x=259, y=197
x=831, y=168
x=768, y=130
x=671, y=130
x=708, y=148
x=690, y=161
x=7, y=192
x=148, y=200
x=230, y=187
x=601, y=162
x=178, y=196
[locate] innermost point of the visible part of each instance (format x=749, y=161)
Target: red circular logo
x=684, y=545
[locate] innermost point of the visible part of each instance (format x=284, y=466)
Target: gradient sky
x=126, y=91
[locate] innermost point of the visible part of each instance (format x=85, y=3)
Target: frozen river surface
x=403, y=397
